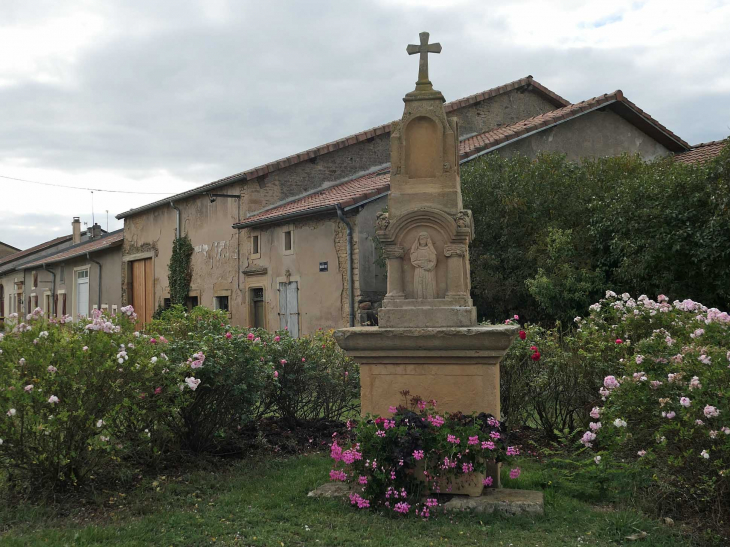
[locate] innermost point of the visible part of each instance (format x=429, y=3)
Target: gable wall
x=592, y=135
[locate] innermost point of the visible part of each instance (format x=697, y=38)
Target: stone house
x=64, y=275
x=271, y=243
x=6, y=249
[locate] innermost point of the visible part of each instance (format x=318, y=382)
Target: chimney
x=76, y=225
x=94, y=231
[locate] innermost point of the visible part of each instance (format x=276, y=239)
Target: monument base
x=505, y=501
x=458, y=367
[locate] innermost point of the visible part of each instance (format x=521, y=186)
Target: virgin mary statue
x=423, y=258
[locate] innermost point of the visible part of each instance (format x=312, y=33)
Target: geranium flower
x=487, y=481
x=514, y=473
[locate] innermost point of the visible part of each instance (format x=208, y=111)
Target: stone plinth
x=505, y=501
x=459, y=367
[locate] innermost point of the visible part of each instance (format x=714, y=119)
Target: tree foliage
x=552, y=235
x=179, y=272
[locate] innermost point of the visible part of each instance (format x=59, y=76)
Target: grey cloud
x=167, y=88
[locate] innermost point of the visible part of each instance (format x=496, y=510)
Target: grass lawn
x=265, y=503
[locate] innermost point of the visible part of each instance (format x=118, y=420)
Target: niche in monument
x=424, y=263
x=424, y=153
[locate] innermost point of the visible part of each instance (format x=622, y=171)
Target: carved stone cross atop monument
x=424, y=49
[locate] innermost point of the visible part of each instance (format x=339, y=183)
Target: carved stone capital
x=393, y=252
x=382, y=221
x=455, y=250
x=463, y=219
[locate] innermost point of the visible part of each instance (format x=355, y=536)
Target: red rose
x=619, y=341
x=533, y=348
x=536, y=356
x=522, y=335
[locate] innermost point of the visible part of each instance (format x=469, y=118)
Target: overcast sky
x=167, y=95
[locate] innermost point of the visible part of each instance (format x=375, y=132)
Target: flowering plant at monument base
x=401, y=463
x=665, y=407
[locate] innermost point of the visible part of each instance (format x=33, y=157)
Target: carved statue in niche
x=423, y=258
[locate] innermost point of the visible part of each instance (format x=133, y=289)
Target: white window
x=82, y=293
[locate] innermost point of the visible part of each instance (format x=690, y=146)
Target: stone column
x=455, y=270
x=394, y=255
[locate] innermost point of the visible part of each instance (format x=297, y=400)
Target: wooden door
x=142, y=297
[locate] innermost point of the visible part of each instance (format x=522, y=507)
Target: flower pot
x=465, y=484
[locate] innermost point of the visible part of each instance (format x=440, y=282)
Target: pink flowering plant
x=665, y=406
x=397, y=462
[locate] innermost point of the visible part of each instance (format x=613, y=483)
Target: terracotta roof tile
x=344, y=194
x=91, y=246
x=702, y=152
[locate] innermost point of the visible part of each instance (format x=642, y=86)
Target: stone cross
x=424, y=49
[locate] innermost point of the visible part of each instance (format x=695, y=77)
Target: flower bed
x=394, y=462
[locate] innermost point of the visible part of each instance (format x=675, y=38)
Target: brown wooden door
x=142, y=289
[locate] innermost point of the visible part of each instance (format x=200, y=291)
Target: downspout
x=177, y=220
x=53, y=290
x=341, y=216
x=88, y=256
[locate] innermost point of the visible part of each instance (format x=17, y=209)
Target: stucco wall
x=320, y=293
x=592, y=135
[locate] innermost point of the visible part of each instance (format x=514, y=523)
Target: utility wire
x=87, y=189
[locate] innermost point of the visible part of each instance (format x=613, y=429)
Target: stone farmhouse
x=71, y=274
x=291, y=243
x=6, y=249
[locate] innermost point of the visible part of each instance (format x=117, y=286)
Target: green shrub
x=550, y=233
x=666, y=402
x=314, y=378
x=62, y=386
x=549, y=379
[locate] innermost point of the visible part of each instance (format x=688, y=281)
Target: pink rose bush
x=394, y=463
x=668, y=410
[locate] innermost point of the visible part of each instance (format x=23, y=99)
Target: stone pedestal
x=459, y=367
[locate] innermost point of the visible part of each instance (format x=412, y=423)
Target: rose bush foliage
x=665, y=405
x=78, y=398
x=64, y=387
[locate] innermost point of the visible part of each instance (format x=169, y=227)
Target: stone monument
x=428, y=340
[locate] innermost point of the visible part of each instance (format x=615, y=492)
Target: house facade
x=70, y=275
